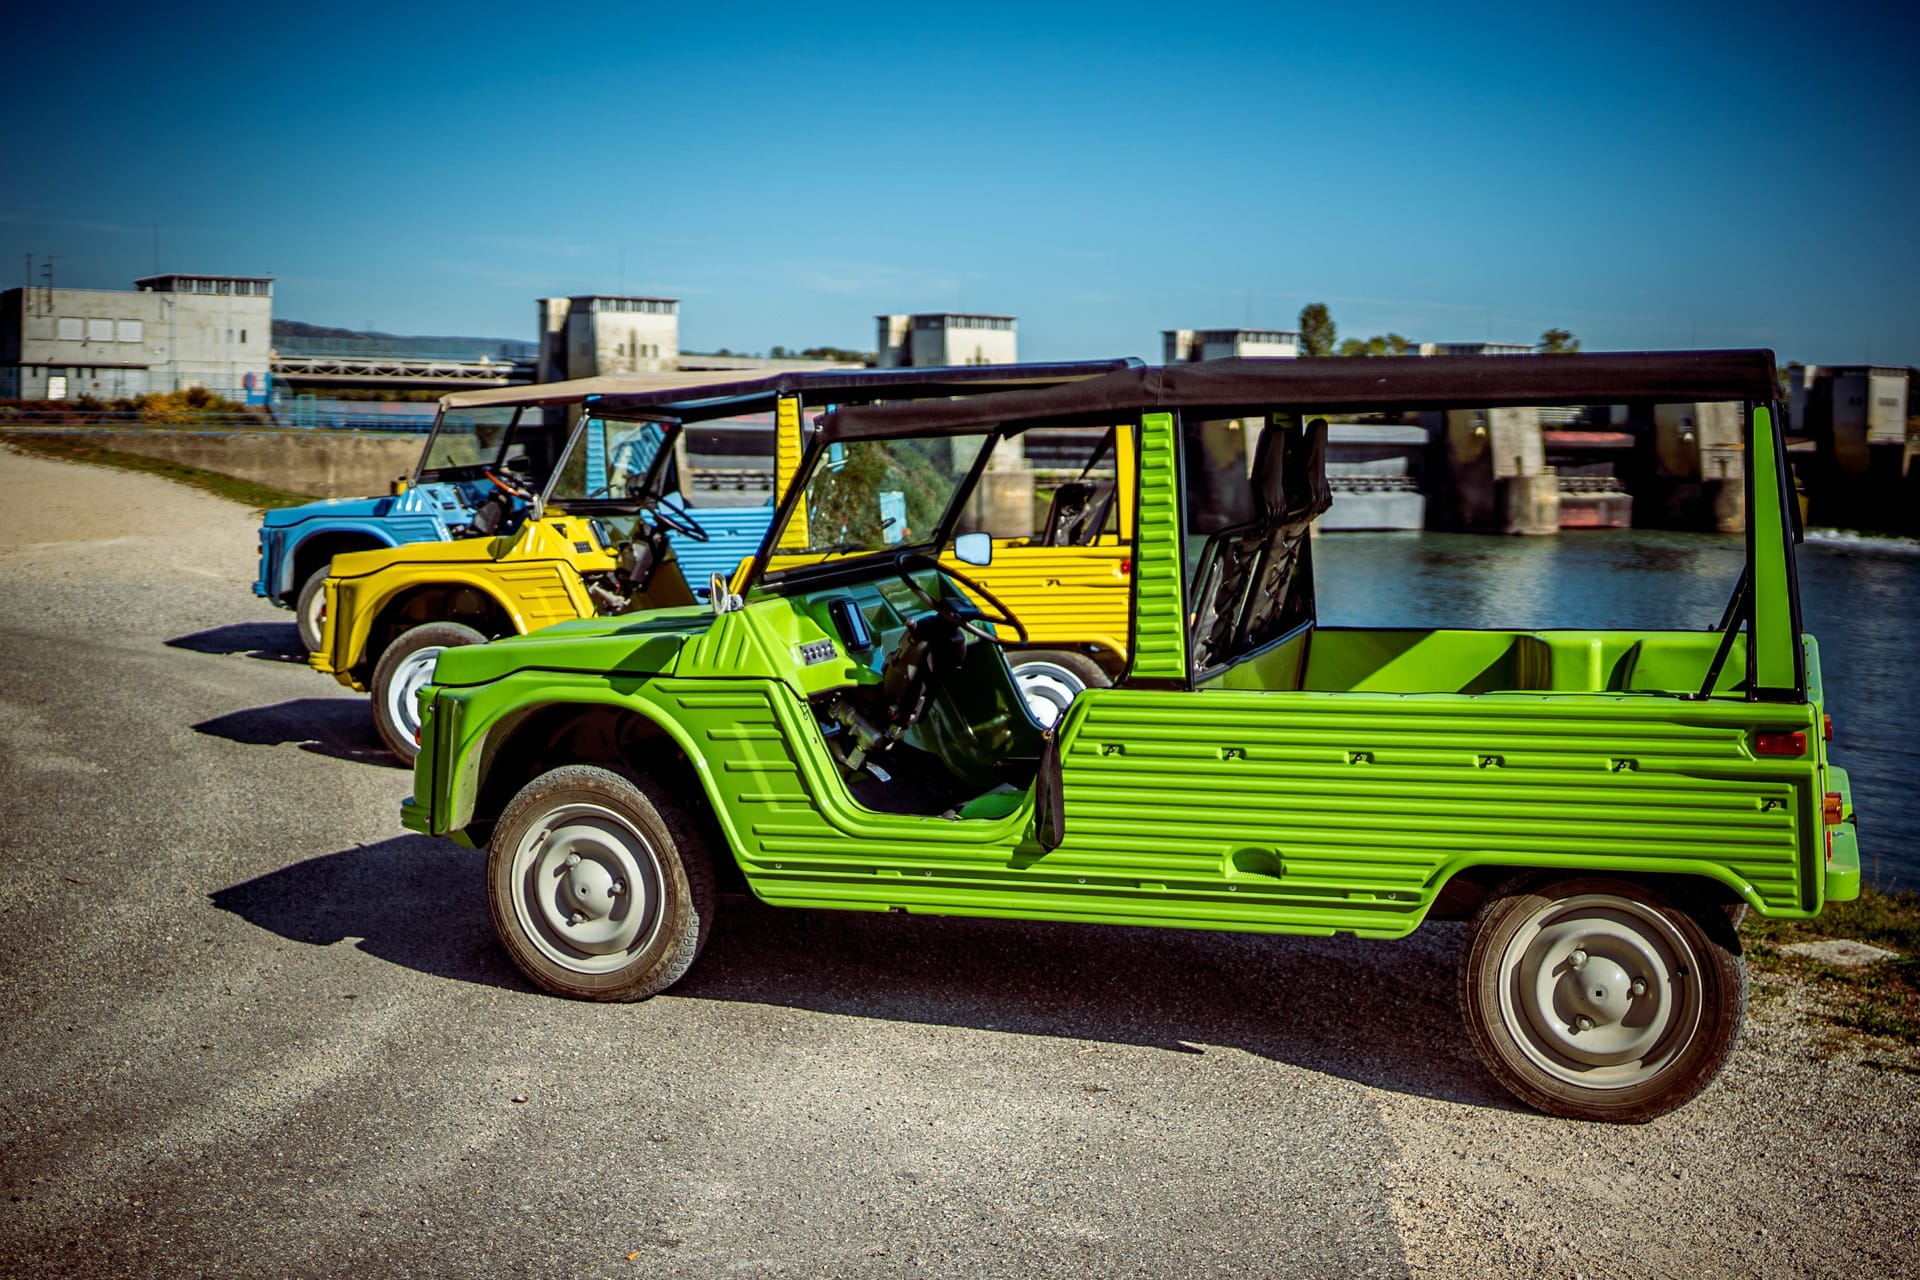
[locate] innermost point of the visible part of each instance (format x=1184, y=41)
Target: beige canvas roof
x=580, y=388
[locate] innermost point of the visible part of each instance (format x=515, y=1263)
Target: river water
x=1859, y=596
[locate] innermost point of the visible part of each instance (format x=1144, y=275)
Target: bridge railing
x=45, y=421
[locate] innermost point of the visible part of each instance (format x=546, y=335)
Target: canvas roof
x=1332, y=383
x=579, y=389
x=822, y=386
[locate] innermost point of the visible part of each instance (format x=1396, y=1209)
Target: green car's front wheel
x=403, y=670
x=1601, y=999
x=599, y=887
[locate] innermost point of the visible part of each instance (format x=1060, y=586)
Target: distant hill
x=296, y=337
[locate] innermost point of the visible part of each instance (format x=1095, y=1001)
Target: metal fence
x=297, y=417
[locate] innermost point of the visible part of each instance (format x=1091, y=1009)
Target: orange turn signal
x=1830, y=808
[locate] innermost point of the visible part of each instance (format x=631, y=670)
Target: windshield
x=469, y=438
x=869, y=495
x=610, y=459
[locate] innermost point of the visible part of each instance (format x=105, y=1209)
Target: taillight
x=1126, y=567
x=1826, y=727
x=1775, y=742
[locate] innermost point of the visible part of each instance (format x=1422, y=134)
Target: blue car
x=487, y=453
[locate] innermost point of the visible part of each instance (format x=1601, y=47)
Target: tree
x=1316, y=330
x=1391, y=344
x=840, y=353
x=1558, y=342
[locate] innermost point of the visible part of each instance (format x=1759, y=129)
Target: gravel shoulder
x=250, y=1026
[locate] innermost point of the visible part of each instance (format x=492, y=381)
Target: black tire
x=397, y=677
x=309, y=606
x=1049, y=679
x=1599, y=998
x=640, y=866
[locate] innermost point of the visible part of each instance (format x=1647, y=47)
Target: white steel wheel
x=586, y=888
x=1050, y=680
x=310, y=608
x=403, y=670
x=598, y=889
x=1601, y=999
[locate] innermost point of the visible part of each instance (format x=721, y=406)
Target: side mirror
x=974, y=548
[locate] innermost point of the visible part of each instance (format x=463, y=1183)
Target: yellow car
x=603, y=535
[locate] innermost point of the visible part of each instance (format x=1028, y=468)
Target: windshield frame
x=649, y=487
x=507, y=440
x=832, y=563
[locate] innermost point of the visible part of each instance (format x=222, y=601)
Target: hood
x=642, y=644
x=328, y=508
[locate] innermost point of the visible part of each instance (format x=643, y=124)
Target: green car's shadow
x=380, y=894
x=1379, y=1013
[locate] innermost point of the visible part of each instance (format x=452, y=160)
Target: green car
x=1602, y=806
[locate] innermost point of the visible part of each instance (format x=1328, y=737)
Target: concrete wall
x=323, y=465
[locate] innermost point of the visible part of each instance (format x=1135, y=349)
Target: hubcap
x=403, y=693
x=316, y=617
x=1599, y=991
x=586, y=886
x=1049, y=689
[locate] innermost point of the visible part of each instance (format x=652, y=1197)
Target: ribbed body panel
x=544, y=592
x=733, y=534
x=1346, y=793
x=1065, y=596
x=1159, y=632
x=1280, y=812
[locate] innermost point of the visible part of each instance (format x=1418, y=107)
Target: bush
x=188, y=405
x=159, y=408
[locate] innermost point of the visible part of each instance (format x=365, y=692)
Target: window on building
x=56, y=386
x=99, y=331
x=72, y=329
x=243, y=337
x=130, y=330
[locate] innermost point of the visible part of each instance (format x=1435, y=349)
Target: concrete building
x=589, y=335
x=1183, y=346
x=940, y=339
x=169, y=333
x=1852, y=409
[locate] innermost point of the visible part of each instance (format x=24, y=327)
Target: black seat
x=1246, y=572
x=1077, y=514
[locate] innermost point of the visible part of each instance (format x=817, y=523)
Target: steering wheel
x=976, y=626
x=512, y=488
x=674, y=518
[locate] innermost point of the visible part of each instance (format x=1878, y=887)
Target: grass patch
x=71, y=449
x=1878, y=999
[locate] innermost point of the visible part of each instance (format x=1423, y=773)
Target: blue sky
x=1651, y=176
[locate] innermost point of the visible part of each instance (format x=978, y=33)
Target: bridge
x=400, y=373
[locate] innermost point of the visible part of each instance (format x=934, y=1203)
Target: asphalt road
x=248, y=1026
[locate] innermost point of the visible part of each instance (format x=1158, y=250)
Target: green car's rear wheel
x=1601, y=999
x=599, y=888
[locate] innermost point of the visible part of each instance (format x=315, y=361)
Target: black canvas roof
x=1340, y=383
x=827, y=386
